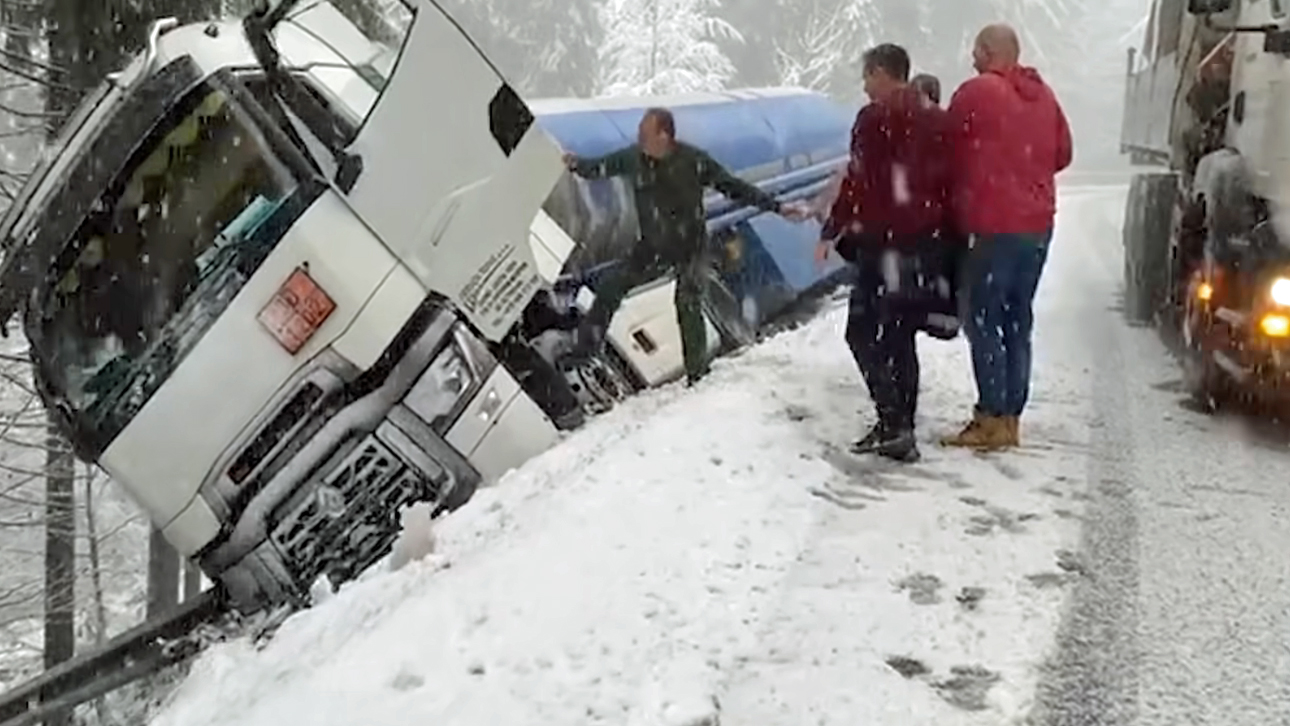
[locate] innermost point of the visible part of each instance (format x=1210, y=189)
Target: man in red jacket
x=1011, y=139
x=889, y=220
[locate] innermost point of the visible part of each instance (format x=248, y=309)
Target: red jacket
x=1010, y=140
x=898, y=183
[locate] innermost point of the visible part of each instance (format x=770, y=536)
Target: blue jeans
x=1002, y=274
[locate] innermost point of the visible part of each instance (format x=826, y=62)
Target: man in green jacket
x=668, y=178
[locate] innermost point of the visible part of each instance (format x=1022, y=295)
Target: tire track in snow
x=1092, y=679
x=1182, y=619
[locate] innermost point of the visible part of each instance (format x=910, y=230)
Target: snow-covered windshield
x=160, y=256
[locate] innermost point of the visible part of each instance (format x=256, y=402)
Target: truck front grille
x=349, y=519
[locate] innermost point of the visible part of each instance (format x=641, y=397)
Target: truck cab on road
x=1207, y=234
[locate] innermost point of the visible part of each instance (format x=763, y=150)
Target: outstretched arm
x=618, y=163
x=714, y=175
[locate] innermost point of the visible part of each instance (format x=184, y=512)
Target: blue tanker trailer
x=789, y=142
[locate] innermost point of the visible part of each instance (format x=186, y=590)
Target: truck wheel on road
x=1148, y=216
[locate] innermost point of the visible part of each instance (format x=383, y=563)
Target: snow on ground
x=716, y=547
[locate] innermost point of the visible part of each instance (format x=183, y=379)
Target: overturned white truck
x=1207, y=234
x=273, y=274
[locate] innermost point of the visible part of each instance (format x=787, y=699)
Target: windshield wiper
x=259, y=25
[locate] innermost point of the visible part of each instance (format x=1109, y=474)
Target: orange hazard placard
x=296, y=311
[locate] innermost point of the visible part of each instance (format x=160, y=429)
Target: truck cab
x=259, y=274
x=1207, y=234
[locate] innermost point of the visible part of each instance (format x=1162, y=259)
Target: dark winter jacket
x=1011, y=139
x=669, y=194
x=897, y=186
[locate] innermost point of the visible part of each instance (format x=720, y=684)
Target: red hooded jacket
x=1010, y=140
x=898, y=183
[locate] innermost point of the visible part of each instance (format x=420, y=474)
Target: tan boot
x=1013, y=426
x=986, y=433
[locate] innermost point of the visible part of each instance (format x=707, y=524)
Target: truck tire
x=1148, y=217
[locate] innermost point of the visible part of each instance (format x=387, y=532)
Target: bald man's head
x=997, y=47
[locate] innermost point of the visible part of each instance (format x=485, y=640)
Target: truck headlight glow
x=296, y=311
x=1275, y=325
x=1280, y=291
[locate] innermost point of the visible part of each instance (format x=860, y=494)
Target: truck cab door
x=1255, y=116
x=454, y=172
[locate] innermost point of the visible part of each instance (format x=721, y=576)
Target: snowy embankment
x=716, y=549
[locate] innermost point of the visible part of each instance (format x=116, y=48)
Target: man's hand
x=822, y=249
x=796, y=211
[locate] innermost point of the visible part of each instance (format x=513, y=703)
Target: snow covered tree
x=664, y=46
x=818, y=43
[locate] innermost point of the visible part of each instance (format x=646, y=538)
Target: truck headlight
x=437, y=395
x=1280, y=291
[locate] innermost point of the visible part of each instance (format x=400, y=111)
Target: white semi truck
x=254, y=272
x=282, y=277
x=1208, y=232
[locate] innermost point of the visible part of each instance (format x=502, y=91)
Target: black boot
x=899, y=446
x=871, y=441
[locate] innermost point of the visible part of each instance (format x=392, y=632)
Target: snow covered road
x=1184, y=616
x=719, y=547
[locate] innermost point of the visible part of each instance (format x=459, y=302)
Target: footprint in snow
x=970, y=597
x=907, y=667
x=967, y=687
x=923, y=589
x=407, y=681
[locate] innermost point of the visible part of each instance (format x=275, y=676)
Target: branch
x=35, y=78
x=31, y=61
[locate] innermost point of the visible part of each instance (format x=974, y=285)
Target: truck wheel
x=1148, y=218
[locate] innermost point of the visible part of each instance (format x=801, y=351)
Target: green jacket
x=669, y=194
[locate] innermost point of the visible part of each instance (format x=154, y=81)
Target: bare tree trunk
x=163, y=576
x=96, y=571
x=96, y=578
x=60, y=559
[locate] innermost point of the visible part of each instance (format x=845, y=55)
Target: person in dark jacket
x=668, y=177
x=890, y=221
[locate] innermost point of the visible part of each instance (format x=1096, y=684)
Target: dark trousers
x=881, y=323
x=641, y=268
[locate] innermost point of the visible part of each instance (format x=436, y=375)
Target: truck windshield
x=163, y=251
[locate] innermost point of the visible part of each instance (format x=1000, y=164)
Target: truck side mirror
x=1208, y=7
